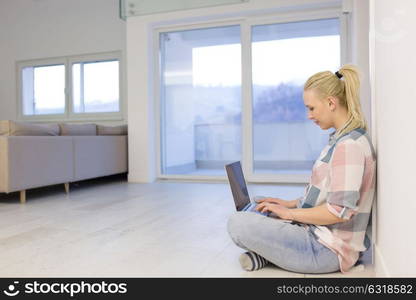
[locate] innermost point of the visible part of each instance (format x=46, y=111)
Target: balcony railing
x=277, y=148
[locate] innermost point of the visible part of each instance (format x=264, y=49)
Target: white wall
x=360, y=52
x=140, y=94
x=31, y=29
x=393, y=47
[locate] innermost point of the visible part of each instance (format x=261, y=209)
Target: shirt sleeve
x=346, y=176
x=301, y=199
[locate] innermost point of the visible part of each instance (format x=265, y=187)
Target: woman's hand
x=277, y=209
x=288, y=204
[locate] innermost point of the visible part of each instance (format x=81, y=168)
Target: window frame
x=69, y=114
x=246, y=24
x=158, y=94
x=248, y=151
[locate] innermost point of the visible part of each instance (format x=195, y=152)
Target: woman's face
x=319, y=110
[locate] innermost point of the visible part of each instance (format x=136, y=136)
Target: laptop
x=239, y=188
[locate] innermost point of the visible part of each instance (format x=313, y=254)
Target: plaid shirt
x=344, y=178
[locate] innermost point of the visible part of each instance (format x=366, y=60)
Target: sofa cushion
x=12, y=128
x=112, y=130
x=78, y=129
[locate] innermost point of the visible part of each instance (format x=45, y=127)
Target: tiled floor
x=110, y=228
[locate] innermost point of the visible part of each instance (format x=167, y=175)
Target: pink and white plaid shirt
x=344, y=178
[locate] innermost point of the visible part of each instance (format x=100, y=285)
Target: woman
x=324, y=230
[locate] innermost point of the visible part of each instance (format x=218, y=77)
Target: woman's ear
x=332, y=103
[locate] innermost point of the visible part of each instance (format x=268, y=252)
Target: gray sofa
x=35, y=155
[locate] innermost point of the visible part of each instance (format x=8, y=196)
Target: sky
x=274, y=62
x=101, y=83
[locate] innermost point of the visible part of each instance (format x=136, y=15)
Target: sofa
x=34, y=155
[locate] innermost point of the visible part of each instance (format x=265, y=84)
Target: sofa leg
x=23, y=196
x=66, y=187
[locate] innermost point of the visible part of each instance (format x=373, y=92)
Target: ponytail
x=345, y=85
x=352, y=98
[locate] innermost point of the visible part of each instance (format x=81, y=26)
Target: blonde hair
x=346, y=89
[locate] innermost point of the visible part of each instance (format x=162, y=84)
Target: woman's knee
x=234, y=225
x=242, y=227
x=238, y=226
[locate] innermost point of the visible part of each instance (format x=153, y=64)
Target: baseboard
x=139, y=178
x=380, y=264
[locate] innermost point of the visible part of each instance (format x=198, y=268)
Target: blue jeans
x=288, y=246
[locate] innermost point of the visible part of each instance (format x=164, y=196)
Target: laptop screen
x=238, y=185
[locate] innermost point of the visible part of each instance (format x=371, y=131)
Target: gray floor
x=263, y=171
x=111, y=228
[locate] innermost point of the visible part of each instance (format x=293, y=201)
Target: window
x=43, y=90
x=76, y=87
x=95, y=86
x=284, y=55
x=201, y=88
x=234, y=92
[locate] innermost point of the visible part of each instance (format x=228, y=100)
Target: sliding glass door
x=284, y=55
x=200, y=100
x=204, y=122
